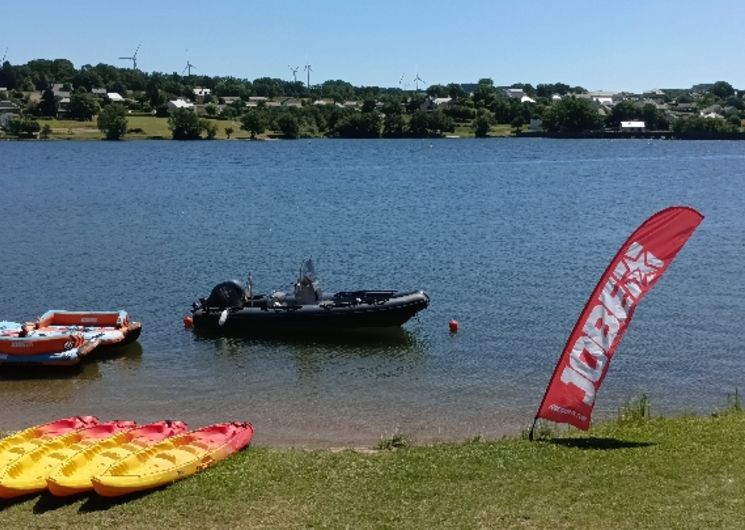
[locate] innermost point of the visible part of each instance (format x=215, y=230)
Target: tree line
x=379, y=112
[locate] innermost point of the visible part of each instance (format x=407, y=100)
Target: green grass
x=657, y=473
x=147, y=127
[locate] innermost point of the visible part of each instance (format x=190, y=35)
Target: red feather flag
x=634, y=270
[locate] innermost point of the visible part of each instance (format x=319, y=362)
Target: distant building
x=180, y=103
x=59, y=92
x=441, y=103
x=201, y=93
x=229, y=100
x=9, y=106
x=633, y=126
x=526, y=99
x=114, y=97
x=514, y=93
x=604, y=98
x=98, y=92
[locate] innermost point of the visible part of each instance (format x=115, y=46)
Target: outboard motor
x=225, y=294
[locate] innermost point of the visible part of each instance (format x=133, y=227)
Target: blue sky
x=633, y=45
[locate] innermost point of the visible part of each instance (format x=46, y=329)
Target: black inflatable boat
x=233, y=309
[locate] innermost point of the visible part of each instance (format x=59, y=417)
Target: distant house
x=114, y=97
x=229, y=100
x=6, y=117
x=8, y=111
x=98, y=92
x=526, y=99
x=514, y=93
x=64, y=107
x=633, y=126
x=9, y=106
x=180, y=103
x=291, y=102
x=441, y=103
x=323, y=102
x=201, y=93
x=59, y=92
x=604, y=98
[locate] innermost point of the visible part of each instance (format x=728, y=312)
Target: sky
x=635, y=45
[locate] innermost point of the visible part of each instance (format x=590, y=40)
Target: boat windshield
x=307, y=270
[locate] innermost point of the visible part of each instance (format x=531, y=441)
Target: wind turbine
x=134, y=57
x=308, y=69
x=188, y=67
x=294, y=71
x=417, y=79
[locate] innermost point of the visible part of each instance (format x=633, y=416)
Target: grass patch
x=660, y=473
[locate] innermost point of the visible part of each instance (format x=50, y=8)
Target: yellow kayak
x=16, y=445
x=74, y=476
x=172, y=459
x=28, y=474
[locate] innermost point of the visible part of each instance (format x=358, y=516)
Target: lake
x=508, y=236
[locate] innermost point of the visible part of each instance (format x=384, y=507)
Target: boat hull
x=175, y=458
x=392, y=312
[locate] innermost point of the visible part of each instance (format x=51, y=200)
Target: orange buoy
x=188, y=322
x=453, y=326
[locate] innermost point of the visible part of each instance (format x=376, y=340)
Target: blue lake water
x=508, y=236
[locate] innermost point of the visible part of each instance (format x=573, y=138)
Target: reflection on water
x=127, y=356
x=309, y=353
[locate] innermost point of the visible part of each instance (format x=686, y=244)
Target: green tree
x=517, y=124
x=722, y=89
x=253, y=121
x=83, y=107
x=288, y=125
x=23, y=127
x=112, y=121
x=185, y=125
x=425, y=124
x=484, y=94
x=482, y=123
x=229, y=131
x=208, y=127
x=571, y=115
x=46, y=130
x=359, y=125
x=48, y=105
x=211, y=110
x=394, y=125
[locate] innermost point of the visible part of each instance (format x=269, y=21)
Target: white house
x=633, y=126
x=114, y=97
x=527, y=99
x=200, y=93
x=180, y=103
x=441, y=103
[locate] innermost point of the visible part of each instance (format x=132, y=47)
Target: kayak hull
x=74, y=477
x=173, y=459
